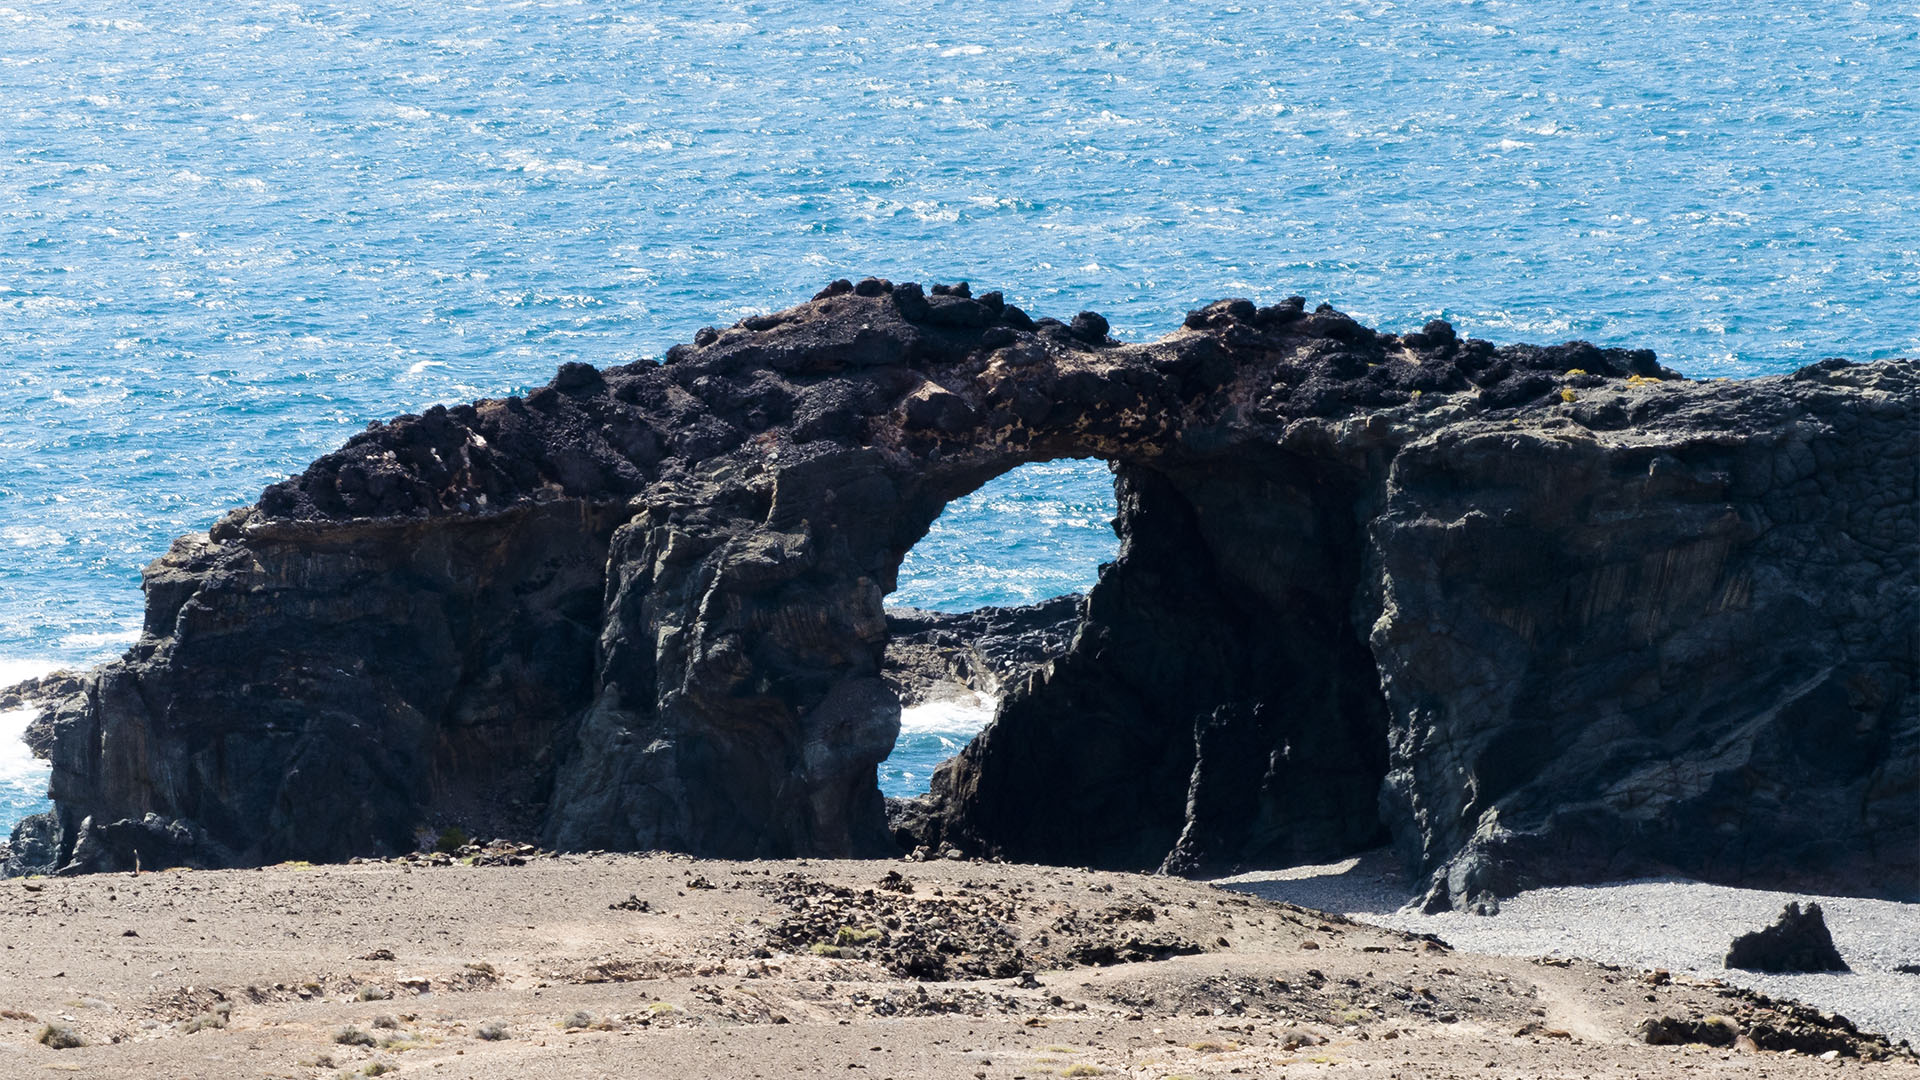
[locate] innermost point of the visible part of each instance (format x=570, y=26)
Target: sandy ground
x=662, y=966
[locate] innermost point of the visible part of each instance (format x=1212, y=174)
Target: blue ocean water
x=230, y=235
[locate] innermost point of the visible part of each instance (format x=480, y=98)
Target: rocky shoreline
x=984, y=651
x=1532, y=615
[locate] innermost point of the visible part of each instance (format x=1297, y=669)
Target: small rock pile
x=969, y=934
x=1758, y=1022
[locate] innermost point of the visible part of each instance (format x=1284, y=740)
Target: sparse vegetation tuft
x=60, y=1037
x=353, y=1036
x=850, y=936
x=215, y=1018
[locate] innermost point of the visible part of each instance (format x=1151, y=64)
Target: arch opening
x=995, y=587
x=1215, y=704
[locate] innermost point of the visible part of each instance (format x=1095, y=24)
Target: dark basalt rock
x=1534, y=614
x=982, y=650
x=1797, y=941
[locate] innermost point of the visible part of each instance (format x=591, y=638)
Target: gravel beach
x=1683, y=926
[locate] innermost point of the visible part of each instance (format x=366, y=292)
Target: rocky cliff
x=1532, y=614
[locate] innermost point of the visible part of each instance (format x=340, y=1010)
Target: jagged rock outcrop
x=1796, y=941
x=931, y=652
x=1535, y=614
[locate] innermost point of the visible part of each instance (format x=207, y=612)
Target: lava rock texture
x=1797, y=941
x=934, y=652
x=1534, y=614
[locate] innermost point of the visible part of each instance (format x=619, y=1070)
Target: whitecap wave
x=23, y=777
x=21, y=774
x=955, y=716
x=15, y=671
x=113, y=640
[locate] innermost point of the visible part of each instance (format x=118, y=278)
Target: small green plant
x=492, y=1031
x=215, y=1017
x=375, y=993
x=1083, y=1070
x=377, y=1068
x=850, y=936
x=60, y=1037
x=452, y=839
x=353, y=1036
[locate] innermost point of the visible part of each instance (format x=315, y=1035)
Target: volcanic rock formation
x=1797, y=941
x=1534, y=614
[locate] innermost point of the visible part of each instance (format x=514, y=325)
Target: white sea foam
x=18, y=671
x=960, y=715
x=20, y=771
x=125, y=634
x=22, y=776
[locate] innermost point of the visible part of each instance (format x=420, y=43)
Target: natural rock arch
x=1520, y=608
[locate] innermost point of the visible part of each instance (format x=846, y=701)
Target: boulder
x=1797, y=941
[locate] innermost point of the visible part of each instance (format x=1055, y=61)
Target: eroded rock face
x=1535, y=614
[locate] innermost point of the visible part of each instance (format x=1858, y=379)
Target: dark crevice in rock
x=1219, y=707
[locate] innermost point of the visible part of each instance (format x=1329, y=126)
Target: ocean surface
x=230, y=235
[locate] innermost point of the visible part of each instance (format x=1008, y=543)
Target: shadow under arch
x=1217, y=707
